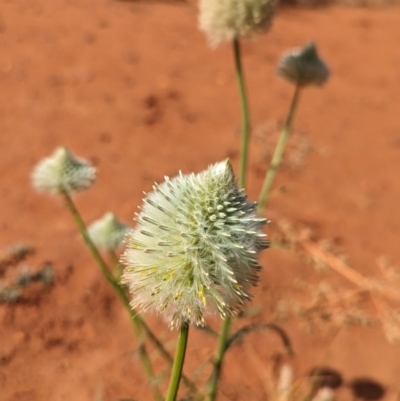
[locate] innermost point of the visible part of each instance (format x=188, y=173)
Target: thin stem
x=137, y=324
x=188, y=383
x=178, y=363
x=244, y=148
x=152, y=337
x=116, y=265
x=278, y=153
x=219, y=356
x=92, y=247
x=137, y=321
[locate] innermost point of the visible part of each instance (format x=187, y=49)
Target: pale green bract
x=62, y=171
x=195, y=248
x=225, y=20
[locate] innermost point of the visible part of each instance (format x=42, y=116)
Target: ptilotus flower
x=303, y=66
x=195, y=247
x=62, y=171
x=108, y=232
x=225, y=20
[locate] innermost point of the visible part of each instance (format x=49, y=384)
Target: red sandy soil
x=135, y=88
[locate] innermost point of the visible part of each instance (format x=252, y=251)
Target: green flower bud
x=195, y=247
x=225, y=20
x=108, y=232
x=303, y=66
x=62, y=171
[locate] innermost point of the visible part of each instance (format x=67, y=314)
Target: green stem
x=116, y=265
x=244, y=148
x=278, y=153
x=92, y=247
x=222, y=342
x=137, y=321
x=178, y=363
x=137, y=324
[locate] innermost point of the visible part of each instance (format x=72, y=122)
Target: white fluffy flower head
x=195, y=247
x=108, y=232
x=303, y=66
x=62, y=171
x=225, y=20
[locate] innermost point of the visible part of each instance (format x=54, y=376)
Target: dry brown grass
x=328, y=306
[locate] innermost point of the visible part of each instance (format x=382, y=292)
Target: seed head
x=108, y=232
x=225, y=20
x=194, y=248
x=62, y=171
x=303, y=66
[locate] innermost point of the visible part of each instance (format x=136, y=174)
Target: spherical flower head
x=108, y=232
x=303, y=66
x=225, y=20
x=195, y=247
x=62, y=171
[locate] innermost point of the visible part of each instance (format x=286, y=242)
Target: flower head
x=225, y=20
x=62, y=171
x=194, y=248
x=303, y=66
x=108, y=232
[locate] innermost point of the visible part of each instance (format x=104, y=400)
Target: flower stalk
x=137, y=322
x=219, y=356
x=301, y=67
x=244, y=150
x=63, y=173
x=245, y=130
x=278, y=153
x=178, y=363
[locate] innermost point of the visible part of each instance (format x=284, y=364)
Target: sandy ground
x=135, y=88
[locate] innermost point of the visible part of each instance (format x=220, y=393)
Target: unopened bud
x=303, y=66
x=62, y=171
x=108, y=232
